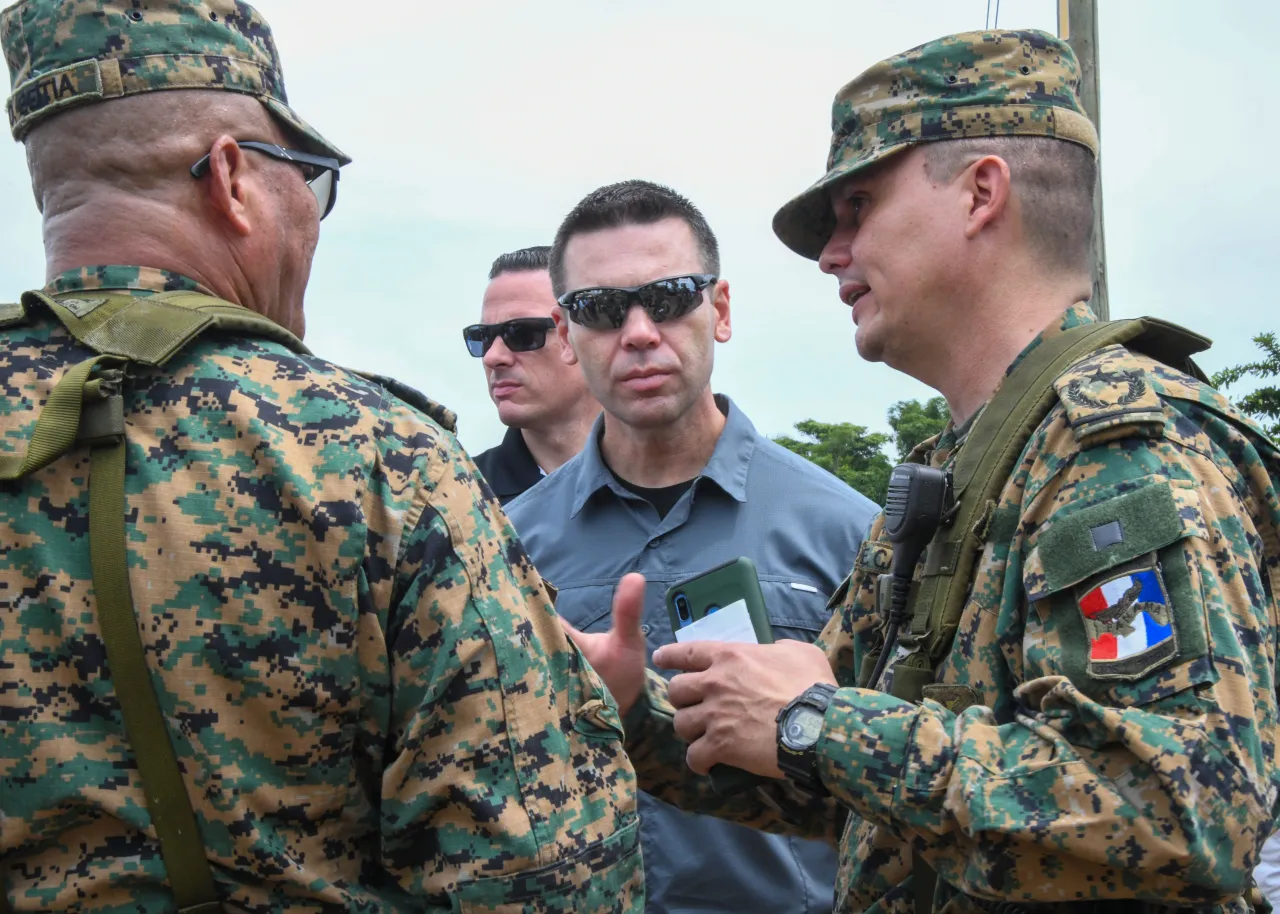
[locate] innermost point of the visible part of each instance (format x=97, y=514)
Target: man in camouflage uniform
x=1102, y=727
x=372, y=703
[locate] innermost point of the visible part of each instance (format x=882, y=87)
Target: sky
x=475, y=127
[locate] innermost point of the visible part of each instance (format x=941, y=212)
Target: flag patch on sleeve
x=1129, y=623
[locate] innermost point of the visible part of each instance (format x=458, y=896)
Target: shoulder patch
x=1129, y=622
x=874, y=556
x=415, y=398
x=1113, y=578
x=1108, y=395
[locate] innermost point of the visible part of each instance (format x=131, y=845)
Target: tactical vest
x=992, y=449
x=86, y=408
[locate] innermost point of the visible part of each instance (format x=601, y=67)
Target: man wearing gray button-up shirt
x=674, y=480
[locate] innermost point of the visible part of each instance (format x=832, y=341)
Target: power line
x=986, y=22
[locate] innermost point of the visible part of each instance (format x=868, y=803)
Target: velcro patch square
x=1106, y=535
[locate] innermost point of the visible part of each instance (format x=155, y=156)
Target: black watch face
x=802, y=727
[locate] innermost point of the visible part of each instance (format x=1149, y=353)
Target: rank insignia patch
x=1129, y=623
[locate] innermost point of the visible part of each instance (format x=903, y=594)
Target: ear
x=720, y=302
x=988, y=193
x=229, y=187
x=567, y=355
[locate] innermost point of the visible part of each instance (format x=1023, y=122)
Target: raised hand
x=618, y=655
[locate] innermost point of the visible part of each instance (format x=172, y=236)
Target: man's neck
x=656, y=457
x=142, y=235
x=554, y=446
x=968, y=374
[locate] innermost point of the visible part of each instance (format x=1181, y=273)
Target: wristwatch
x=799, y=726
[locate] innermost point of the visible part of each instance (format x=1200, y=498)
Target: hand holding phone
x=722, y=604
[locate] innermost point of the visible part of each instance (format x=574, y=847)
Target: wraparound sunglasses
x=663, y=299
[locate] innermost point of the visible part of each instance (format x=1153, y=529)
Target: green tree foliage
x=848, y=451
x=1262, y=404
x=913, y=422
x=857, y=456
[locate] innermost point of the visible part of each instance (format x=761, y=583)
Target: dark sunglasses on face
x=320, y=172
x=524, y=334
x=662, y=299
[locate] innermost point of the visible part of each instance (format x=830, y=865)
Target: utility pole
x=1078, y=25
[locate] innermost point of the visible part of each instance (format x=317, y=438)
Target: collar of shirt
x=1077, y=315
x=952, y=436
x=147, y=280
x=512, y=468
x=727, y=467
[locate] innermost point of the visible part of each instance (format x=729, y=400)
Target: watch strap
x=801, y=766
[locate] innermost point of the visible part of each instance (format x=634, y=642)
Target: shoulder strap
x=185, y=861
x=122, y=329
x=87, y=407
x=1167, y=342
x=438, y=412
x=152, y=329
x=982, y=469
x=59, y=423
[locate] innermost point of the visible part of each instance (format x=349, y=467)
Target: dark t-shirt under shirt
x=663, y=498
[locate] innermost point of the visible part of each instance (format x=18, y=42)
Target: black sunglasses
x=662, y=299
x=320, y=172
x=524, y=334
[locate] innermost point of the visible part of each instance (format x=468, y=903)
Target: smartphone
x=722, y=604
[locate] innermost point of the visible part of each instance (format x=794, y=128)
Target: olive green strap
x=982, y=469
x=151, y=329
x=167, y=801
x=55, y=433
x=88, y=410
x=57, y=426
x=232, y=318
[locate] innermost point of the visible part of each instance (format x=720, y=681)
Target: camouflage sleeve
x=1136, y=757
x=659, y=758
x=505, y=785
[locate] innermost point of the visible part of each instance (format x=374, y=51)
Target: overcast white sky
x=476, y=126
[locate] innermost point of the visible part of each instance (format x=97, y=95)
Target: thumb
x=628, y=611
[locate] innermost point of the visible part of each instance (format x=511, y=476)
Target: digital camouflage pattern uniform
x=1079, y=775
x=373, y=703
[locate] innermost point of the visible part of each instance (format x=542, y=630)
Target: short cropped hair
x=632, y=202
x=1054, y=181
x=525, y=260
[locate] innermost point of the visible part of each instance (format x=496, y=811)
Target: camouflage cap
x=63, y=53
x=975, y=84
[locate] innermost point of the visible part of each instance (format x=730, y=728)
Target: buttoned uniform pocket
x=587, y=606
x=595, y=713
x=605, y=877
x=797, y=608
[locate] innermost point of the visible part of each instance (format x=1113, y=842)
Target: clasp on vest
x=102, y=410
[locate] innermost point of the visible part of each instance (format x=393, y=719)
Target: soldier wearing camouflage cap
x=1067, y=701
x=266, y=641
